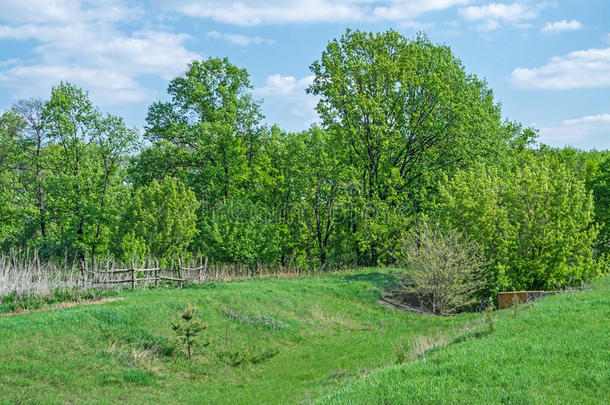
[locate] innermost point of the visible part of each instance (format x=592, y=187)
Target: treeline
x=406, y=135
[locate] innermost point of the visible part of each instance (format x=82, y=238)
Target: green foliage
x=406, y=132
x=600, y=186
x=239, y=231
x=400, y=107
x=533, y=220
x=159, y=221
x=212, y=124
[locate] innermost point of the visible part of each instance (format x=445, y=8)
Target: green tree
x=600, y=186
x=86, y=155
x=401, y=112
x=159, y=221
x=212, y=117
x=534, y=221
x=401, y=107
x=15, y=204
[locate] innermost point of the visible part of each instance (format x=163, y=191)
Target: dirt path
x=63, y=305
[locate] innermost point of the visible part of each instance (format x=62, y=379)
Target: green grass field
x=555, y=352
x=333, y=341
x=327, y=330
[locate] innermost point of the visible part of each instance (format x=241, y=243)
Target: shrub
x=444, y=268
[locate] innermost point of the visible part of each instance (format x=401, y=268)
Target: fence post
x=133, y=276
x=156, y=274
x=179, y=270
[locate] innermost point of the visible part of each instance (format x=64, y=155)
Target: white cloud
x=579, y=69
x=241, y=40
x=600, y=118
x=9, y=62
x=89, y=51
x=291, y=92
x=107, y=86
x=257, y=12
x=64, y=11
x=563, y=25
x=493, y=16
x=585, y=132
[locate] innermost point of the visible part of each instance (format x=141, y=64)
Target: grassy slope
x=556, y=352
x=328, y=330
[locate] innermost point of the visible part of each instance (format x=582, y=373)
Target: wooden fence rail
x=178, y=274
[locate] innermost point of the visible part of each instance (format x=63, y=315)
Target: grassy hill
x=324, y=330
x=556, y=352
x=300, y=340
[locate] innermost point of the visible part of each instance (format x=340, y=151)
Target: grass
x=555, y=352
x=303, y=340
x=14, y=302
x=271, y=341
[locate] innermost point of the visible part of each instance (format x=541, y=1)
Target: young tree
x=444, y=269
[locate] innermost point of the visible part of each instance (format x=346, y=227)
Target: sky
x=548, y=62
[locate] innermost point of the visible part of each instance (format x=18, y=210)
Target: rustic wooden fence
x=134, y=275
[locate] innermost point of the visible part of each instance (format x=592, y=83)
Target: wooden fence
x=133, y=275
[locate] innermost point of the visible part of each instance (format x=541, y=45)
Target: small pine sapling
x=188, y=328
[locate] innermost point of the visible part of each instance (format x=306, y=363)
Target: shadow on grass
x=382, y=280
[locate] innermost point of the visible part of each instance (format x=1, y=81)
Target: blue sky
x=548, y=62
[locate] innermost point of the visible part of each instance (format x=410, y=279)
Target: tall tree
x=400, y=110
x=34, y=140
x=86, y=156
x=400, y=107
x=212, y=117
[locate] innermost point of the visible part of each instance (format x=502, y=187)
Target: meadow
x=304, y=340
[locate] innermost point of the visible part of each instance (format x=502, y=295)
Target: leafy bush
x=444, y=268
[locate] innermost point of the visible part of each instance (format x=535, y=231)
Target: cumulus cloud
x=289, y=92
x=579, y=69
x=257, y=12
x=64, y=11
x=90, y=50
x=600, y=118
x=106, y=85
x=563, y=25
x=241, y=40
x=493, y=16
x=585, y=132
